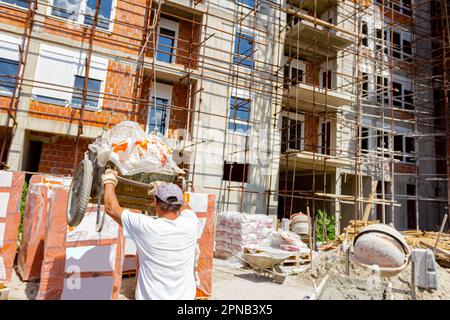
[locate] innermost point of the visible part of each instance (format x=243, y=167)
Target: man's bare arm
x=112, y=206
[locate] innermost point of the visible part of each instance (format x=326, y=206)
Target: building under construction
x=277, y=106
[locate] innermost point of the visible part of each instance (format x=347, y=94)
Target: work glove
x=110, y=177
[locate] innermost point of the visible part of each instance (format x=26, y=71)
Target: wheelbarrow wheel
x=80, y=192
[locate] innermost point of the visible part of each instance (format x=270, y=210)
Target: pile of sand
x=363, y=284
x=350, y=288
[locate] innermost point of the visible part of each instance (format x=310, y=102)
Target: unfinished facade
x=277, y=105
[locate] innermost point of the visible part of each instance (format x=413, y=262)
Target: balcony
x=296, y=160
x=316, y=41
x=319, y=5
x=312, y=98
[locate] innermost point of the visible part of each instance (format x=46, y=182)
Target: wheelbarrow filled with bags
x=142, y=160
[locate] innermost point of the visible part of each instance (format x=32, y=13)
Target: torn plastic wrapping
x=133, y=151
x=11, y=186
x=80, y=263
x=40, y=190
x=204, y=205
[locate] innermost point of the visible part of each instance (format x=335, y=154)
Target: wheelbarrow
x=267, y=263
x=133, y=192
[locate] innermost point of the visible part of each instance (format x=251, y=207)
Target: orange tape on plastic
x=11, y=185
x=40, y=190
x=80, y=263
x=204, y=205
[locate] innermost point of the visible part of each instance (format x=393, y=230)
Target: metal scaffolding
x=344, y=120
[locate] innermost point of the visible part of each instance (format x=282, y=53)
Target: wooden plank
x=438, y=250
x=368, y=207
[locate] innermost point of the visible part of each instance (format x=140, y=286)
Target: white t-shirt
x=166, y=250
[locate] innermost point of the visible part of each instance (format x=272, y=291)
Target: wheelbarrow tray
x=134, y=192
x=268, y=262
x=265, y=260
x=129, y=196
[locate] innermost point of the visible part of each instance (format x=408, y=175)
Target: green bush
x=325, y=226
x=22, y=206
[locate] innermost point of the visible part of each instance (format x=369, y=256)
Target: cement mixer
x=379, y=246
x=382, y=246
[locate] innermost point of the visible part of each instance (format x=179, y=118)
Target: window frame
x=365, y=138
x=245, y=5
x=320, y=147
x=80, y=21
x=299, y=118
x=383, y=136
x=163, y=91
x=166, y=111
x=326, y=75
x=365, y=85
x=87, y=107
x=405, y=157
x=8, y=93
x=382, y=89
x=14, y=6
x=246, y=169
x=402, y=8
x=299, y=65
x=238, y=32
x=238, y=121
x=365, y=36
x=389, y=44
x=173, y=26
x=74, y=65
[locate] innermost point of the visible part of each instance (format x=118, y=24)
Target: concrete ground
x=229, y=282
x=242, y=284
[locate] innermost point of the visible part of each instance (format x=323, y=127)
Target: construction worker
x=166, y=246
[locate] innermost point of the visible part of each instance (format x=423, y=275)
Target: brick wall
x=4, y=104
x=15, y=17
x=312, y=74
x=187, y=44
x=404, y=168
x=311, y=128
x=125, y=36
x=57, y=155
x=178, y=117
x=187, y=50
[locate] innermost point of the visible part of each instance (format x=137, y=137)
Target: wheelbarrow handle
x=239, y=257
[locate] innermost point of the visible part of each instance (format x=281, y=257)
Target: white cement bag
x=134, y=151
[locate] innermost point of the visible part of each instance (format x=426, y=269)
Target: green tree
x=325, y=226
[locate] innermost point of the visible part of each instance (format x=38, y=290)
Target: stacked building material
x=204, y=205
x=427, y=239
x=353, y=229
x=11, y=185
x=236, y=230
x=40, y=191
x=130, y=258
x=79, y=262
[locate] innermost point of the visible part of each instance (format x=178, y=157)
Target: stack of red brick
x=79, y=262
x=11, y=185
x=40, y=192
